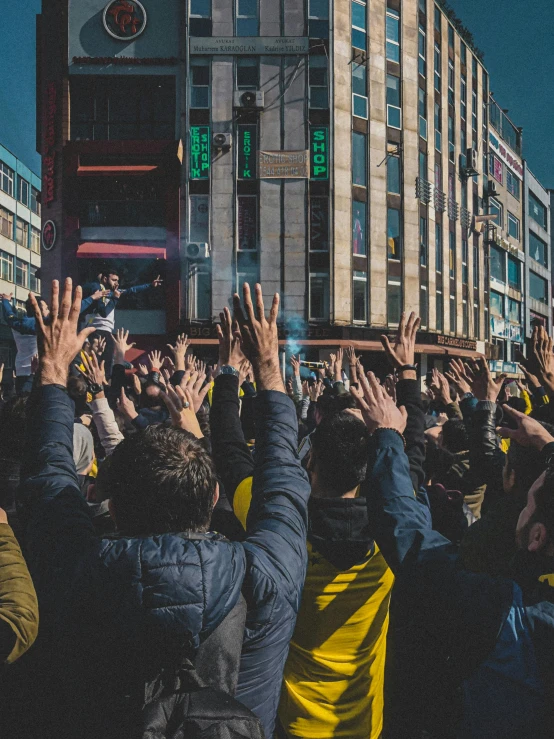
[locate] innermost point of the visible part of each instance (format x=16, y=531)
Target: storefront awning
x=100, y=250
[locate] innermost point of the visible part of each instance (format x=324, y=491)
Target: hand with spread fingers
x=378, y=409
x=196, y=389
x=542, y=357
x=100, y=346
x=260, y=340
x=126, y=406
x=529, y=432
x=179, y=351
x=155, y=359
x=402, y=353
x=94, y=372
x=532, y=380
x=137, y=387
x=352, y=364
x=458, y=375
x=338, y=365
x=230, y=343
x=295, y=364
x=179, y=403
x=390, y=386
x=484, y=386
x=121, y=345
x=444, y=392
x=143, y=369
x=58, y=341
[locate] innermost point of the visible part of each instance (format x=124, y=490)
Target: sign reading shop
x=249, y=45
x=124, y=19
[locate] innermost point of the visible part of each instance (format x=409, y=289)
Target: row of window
x=498, y=261
x=21, y=233
x=26, y=194
x=25, y=274
x=496, y=208
x=497, y=307
x=503, y=174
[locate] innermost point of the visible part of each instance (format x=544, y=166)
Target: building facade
x=538, y=254
x=20, y=241
x=338, y=152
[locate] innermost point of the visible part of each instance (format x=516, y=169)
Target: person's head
x=521, y=467
x=77, y=390
x=518, y=404
x=110, y=280
x=42, y=304
x=83, y=449
x=338, y=456
x=535, y=527
x=161, y=480
x=330, y=404
x=151, y=395
x=454, y=436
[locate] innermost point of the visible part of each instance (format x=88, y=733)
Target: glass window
x=393, y=174
x=423, y=244
x=538, y=211
x=22, y=232
x=423, y=306
x=463, y=97
x=6, y=222
x=248, y=72
x=422, y=109
x=318, y=18
x=247, y=218
x=512, y=183
x=451, y=138
x=452, y=254
x=200, y=83
x=438, y=247
x=393, y=102
x=394, y=302
x=438, y=127
x=200, y=289
x=514, y=273
x=538, y=288
x=319, y=223
x=359, y=90
x=319, y=296
x=437, y=19
x=393, y=35
x=319, y=82
x=514, y=311
x=463, y=53
x=23, y=191
x=465, y=272
x=498, y=263
x=450, y=83
x=465, y=318
x=6, y=178
x=496, y=168
x=247, y=17
x=495, y=208
x=437, y=68
x=453, y=314
x=440, y=310
x=513, y=226
x=35, y=201
x=476, y=320
x=538, y=249
x=359, y=232
x=394, y=235
x=422, y=53
x=422, y=168
x=199, y=217
x=34, y=285
x=450, y=36
x=6, y=266
x=35, y=240
x=423, y=6
x=359, y=35
x=474, y=68
x=21, y=273
x=200, y=22
x=475, y=266
x=360, y=296
x=359, y=159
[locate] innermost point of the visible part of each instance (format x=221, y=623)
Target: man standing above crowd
x=25, y=336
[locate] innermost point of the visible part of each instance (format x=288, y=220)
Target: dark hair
x=454, y=436
x=526, y=462
x=330, y=403
x=29, y=305
x=161, y=481
x=544, y=504
x=108, y=272
x=438, y=462
x=77, y=390
x=517, y=404
x=340, y=450
x=13, y=417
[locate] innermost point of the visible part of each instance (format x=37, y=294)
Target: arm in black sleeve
x=409, y=395
x=486, y=458
x=230, y=451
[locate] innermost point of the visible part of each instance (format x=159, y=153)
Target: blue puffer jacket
x=114, y=609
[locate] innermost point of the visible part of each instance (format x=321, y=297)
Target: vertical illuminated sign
x=247, y=152
x=319, y=152
x=199, y=152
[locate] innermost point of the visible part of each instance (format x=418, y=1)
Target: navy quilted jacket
x=116, y=607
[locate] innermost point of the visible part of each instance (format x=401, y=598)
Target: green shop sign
x=199, y=152
x=247, y=151
x=319, y=152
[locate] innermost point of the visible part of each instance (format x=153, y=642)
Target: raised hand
x=93, y=371
x=529, y=432
x=542, y=357
x=260, y=340
x=137, y=387
x=179, y=403
x=143, y=369
x=378, y=409
x=126, y=406
x=402, y=353
x=155, y=359
x=100, y=346
x=190, y=362
x=483, y=385
x=459, y=376
x=315, y=391
x=444, y=392
x=230, y=343
x=295, y=364
x=157, y=282
x=58, y=342
x=97, y=294
x=390, y=386
x=532, y=380
x=121, y=345
x=338, y=365
x=179, y=351
x=32, y=372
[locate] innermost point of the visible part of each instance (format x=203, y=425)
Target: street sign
x=251, y=45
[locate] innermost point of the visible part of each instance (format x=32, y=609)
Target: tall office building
x=538, y=257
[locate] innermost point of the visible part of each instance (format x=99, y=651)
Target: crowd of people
x=194, y=549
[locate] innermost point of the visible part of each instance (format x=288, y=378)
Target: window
x=450, y=36
x=200, y=290
x=423, y=306
x=359, y=25
x=452, y=314
x=21, y=273
x=393, y=174
x=437, y=68
x=248, y=72
x=199, y=218
x=422, y=6
x=318, y=18
x=394, y=302
x=393, y=35
x=423, y=244
x=440, y=310
x=394, y=117
x=438, y=247
x=514, y=311
x=465, y=318
x=22, y=232
x=359, y=233
x=538, y=249
x=512, y=183
x=487, y=323
x=6, y=222
x=463, y=53
x=200, y=83
x=35, y=201
x=498, y=263
x=475, y=266
x=359, y=159
x=538, y=211
x=463, y=97
x=437, y=19
x=495, y=208
x=422, y=108
x=35, y=240
x=200, y=20
x=6, y=178
x=422, y=169
x=34, y=285
x=319, y=223
x=438, y=127
x=422, y=53
x=247, y=222
x=538, y=287
x=451, y=138
x=318, y=82
x=450, y=83
x=465, y=272
x=514, y=273
x=474, y=111
x=6, y=266
x=438, y=176
x=247, y=17
x=476, y=321
x=23, y=191
x=319, y=296
x=452, y=254
x=496, y=168
x=474, y=69
x=359, y=90
x=394, y=237
x=513, y=226
x=360, y=296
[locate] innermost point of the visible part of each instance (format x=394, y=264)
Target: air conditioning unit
x=222, y=140
x=471, y=161
x=492, y=192
x=199, y=250
x=252, y=99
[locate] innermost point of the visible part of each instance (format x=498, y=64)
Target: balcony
x=424, y=190
x=465, y=218
x=106, y=220
x=453, y=209
x=440, y=200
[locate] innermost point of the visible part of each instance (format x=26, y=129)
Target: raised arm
x=23, y=325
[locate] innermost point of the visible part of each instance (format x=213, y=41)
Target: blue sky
x=515, y=35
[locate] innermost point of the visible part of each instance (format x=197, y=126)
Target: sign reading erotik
x=199, y=152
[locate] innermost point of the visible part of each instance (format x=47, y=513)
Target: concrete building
x=538, y=253
x=330, y=150
x=20, y=237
